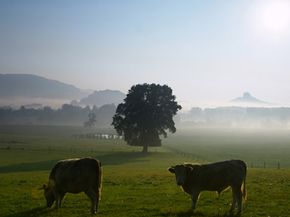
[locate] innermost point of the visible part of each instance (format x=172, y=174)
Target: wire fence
x=187, y=156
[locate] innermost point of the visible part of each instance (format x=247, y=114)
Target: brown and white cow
x=195, y=178
x=74, y=176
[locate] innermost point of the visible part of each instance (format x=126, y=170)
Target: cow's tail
x=100, y=179
x=244, y=191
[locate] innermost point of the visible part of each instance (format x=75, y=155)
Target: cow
x=195, y=178
x=74, y=176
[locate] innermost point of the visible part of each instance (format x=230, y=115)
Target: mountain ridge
x=103, y=97
x=30, y=89
x=35, y=86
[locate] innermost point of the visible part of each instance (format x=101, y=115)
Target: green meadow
x=136, y=184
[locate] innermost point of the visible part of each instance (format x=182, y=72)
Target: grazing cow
x=195, y=178
x=74, y=176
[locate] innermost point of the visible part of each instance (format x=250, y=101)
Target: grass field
x=137, y=185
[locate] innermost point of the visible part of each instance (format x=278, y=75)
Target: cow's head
x=181, y=172
x=48, y=194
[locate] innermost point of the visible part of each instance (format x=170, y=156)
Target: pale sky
x=207, y=51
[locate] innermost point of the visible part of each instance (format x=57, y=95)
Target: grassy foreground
x=134, y=184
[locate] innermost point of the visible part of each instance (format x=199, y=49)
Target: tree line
x=237, y=116
x=66, y=115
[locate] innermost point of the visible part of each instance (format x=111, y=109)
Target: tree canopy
x=146, y=113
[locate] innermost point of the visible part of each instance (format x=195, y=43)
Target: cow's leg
x=61, y=196
x=97, y=191
x=239, y=199
x=232, y=209
x=57, y=196
x=218, y=194
x=97, y=198
x=57, y=203
x=194, y=198
x=93, y=196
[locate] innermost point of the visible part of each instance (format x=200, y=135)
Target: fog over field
x=35, y=100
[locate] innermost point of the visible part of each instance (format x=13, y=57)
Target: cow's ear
x=189, y=168
x=171, y=169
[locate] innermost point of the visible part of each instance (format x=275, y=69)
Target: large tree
x=146, y=113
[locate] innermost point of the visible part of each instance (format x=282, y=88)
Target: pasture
x=138, y=185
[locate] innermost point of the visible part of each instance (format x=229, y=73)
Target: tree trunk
x=145, y=149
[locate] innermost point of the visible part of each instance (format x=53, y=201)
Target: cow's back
x=218, y=176
x=76, y=175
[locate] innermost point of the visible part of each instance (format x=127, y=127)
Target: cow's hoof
x=230, y=213
x=238, y=214
x=190, y=211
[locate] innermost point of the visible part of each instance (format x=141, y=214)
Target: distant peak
x=247, y=98
x=247, y=95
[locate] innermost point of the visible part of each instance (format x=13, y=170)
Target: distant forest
x=238, y=116
x=75, y=115
x=66, y=115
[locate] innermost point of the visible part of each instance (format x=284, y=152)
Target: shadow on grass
x=116, y=158
x=26, y=167
x=35, y=212
x=191, y=213
x=187, y=213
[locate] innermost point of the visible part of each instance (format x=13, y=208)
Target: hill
x=33, y=86
x=35, y=91
x=99, y=98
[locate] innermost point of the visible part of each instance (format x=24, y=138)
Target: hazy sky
x=208, y=51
